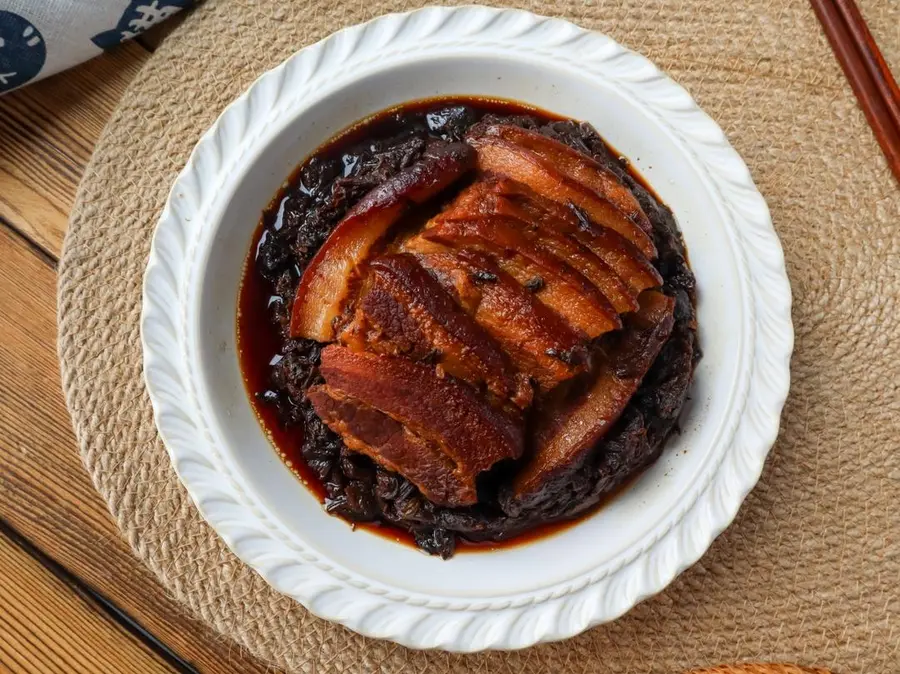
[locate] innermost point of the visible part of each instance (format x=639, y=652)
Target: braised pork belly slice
x=502, y=157
x=389, y=443
x=403, y=310
x=482, y=198
x=576, y=165
x=569, y=429
x=442, y=411
x=328, y=282
x=539, y=343
x=622, y=256
x=517, y=200
x=595, y=270
x=563, y=288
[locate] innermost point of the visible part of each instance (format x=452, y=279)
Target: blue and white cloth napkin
x=42, y=37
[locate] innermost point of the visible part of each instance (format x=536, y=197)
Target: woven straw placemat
x=808, y=572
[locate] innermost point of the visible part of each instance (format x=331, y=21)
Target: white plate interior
x=599, y=543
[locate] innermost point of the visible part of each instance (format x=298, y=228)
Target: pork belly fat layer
x=564, y=289
x=389, y=443
x=537, y=340
x=403, y=310
x=328, y=282
x=501, y=157
x=514, y=199
x=483, y=199
x=453, y=416
x=565, y=434
x=578, y=166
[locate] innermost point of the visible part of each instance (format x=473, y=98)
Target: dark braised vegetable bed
x=632, y=360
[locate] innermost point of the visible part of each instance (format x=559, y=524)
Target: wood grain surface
x=47, y=626
x=72, y=596
x=44, y=491
x=47, y=132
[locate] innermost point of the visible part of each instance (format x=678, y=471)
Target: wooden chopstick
x=865, y=69
x=873, y=59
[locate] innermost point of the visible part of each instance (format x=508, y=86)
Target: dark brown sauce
x=258, y=343
x=258, y=340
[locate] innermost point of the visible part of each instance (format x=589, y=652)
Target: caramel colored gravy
x=258, y=341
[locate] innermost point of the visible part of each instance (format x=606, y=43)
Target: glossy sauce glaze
x=260, y=344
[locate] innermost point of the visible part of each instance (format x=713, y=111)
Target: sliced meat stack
x=455, y=334
x=405, y=311
x=328, y=282
x=570, y=427
x=564, y=175
x=441, y=433
x=538, y=341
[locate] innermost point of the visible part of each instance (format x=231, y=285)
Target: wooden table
x=73, y=598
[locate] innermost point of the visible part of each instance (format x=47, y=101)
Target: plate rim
x=473, y=625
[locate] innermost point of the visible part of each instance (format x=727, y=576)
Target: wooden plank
x=46, y=627
x=98, y=601
x=47, y=134
x=44, y=491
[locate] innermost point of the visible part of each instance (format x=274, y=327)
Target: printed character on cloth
x=22, y=51
x=39, y=39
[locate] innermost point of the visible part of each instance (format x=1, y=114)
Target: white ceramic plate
x=552, y=588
